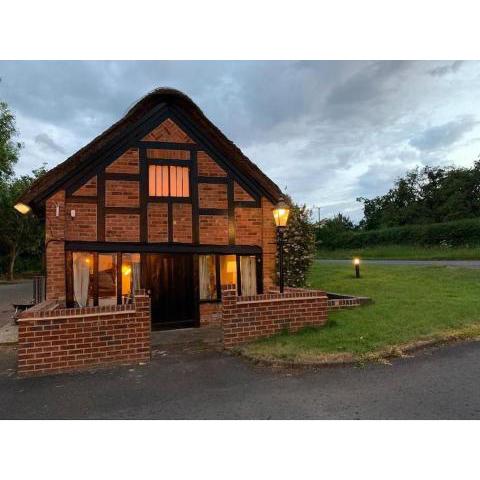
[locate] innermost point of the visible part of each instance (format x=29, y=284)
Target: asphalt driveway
x=438, y=384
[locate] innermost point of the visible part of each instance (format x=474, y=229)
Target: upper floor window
x=168, y=181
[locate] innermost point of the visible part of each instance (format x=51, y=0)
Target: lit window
x=168, y=181
x=130, y=273
x=208, y=277
x=83, y=279
x=248, y=274
x=107, y=279
x=228, y=270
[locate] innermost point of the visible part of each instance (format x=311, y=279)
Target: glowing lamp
x=280, y=214
x=356, y=262
x=126, y=270
x=22, y=208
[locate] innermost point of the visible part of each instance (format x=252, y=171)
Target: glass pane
x=130, y=273
x=164, y=181
x=179, y=182
x=151, y=180
x=186, y=190
x=158, y=181
x=173, y=181
x=228, y=270
x=208, y=277
x=248, y=274
x=83, y=278
x=107, y=279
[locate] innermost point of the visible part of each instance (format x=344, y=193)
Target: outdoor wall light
x=22, y=208
x=356, y=262
x=280, y=215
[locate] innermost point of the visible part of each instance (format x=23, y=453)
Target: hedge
x=449, y=234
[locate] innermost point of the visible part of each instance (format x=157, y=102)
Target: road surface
x=438, y=384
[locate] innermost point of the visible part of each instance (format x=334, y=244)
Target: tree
x=9, y=149
x=299, y=245
x=18, y=233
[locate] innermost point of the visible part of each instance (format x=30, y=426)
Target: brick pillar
x=229, y=308
x=269, y=245
x=55, y=246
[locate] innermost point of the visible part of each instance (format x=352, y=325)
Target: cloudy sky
x=327, y=131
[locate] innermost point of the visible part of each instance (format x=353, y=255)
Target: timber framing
x=128, y=133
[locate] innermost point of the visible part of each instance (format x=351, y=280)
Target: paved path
x=18, y=292
x=437, y=384
x=425, y=263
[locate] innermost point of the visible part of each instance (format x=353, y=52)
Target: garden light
x=356, y=262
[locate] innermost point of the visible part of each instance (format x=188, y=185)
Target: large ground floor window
x=215, y=271
x=98, y=278
x=101, y=278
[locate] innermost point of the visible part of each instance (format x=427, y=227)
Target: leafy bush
x=299, y=248
x=449, y=234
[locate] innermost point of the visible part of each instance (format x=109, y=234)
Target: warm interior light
x=231, y=266
x=356, y=261
x=87, y=260
x=22, y=208
x=280, y=214
x=126, y=270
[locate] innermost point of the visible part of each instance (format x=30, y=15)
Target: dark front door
x=170, y=279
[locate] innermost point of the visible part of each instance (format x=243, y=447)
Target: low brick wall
x=53, y=339
x=339, y=303
x=251, y=317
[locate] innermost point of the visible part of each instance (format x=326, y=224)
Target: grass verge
x=414, y=306
x=404, y=252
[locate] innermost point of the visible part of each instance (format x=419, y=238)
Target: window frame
x=69, y=296
x=258, y=273
x=168, y=165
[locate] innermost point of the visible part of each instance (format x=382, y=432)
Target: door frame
x=195, y=322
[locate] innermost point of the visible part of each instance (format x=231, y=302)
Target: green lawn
x=405, y=252
x=411, y=303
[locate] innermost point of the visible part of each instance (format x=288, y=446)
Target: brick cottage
x=161, y=202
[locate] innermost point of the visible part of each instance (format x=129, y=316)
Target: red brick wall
x=61, y=340
x=214, y=229
x=157, y=222
x=84, y=225
x=55, y=246
x=126, y=163
x=210, y=314
x=168, y=131
x=87, y=189
x=122, y=227
x=211, y=195
x=269, y=245
x=207, y=167
x=168, y=154
x=182, y=222
x=121, y=193
x=239, y=194
x=245, y=319
x=248, y=226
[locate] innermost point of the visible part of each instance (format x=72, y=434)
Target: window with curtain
x=107, y=279
x=168, y=181
x=83, y=278
x=130, y=274
x=207, y=277
x=228, y=269
x=248, y=274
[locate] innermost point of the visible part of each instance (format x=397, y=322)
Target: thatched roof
x=41, y=188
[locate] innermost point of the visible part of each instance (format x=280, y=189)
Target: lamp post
x=356, y=262
x=280, y=214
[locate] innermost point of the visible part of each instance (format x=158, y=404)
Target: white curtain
x=248, y=275
x=135, y=277
x=81, y=278
x=206, y=267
